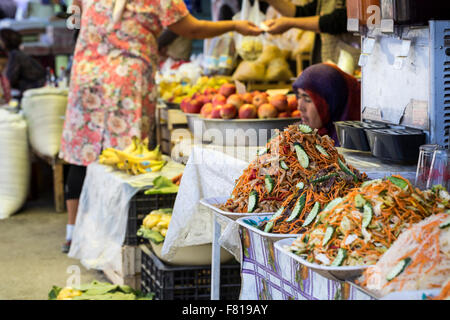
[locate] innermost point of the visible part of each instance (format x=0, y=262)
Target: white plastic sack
x=44, y=110
x=14, y=163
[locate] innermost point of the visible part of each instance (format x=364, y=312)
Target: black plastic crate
x=187, y=282
x=141, y=205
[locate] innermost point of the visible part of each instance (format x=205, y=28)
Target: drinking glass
x=424, y=165
x=440, y=169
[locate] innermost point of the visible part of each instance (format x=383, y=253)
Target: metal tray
x=259, y=219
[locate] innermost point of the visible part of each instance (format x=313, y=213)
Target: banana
x=133, y=146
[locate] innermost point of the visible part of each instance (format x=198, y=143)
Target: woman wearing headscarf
x=112, y=95
x=327, y=94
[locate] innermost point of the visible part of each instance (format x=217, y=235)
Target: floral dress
x=112, y=93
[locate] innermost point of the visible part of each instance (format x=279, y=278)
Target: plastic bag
x=250, y=71
x=250, y=47
x=278, y=70
x=14, y=163
x=220, y=55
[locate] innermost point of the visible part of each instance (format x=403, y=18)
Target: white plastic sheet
x=102, y=216
x=14, y=163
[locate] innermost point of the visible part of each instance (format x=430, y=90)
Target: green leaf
x=54, y=292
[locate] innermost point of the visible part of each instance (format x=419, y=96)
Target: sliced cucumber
x=252, y=201
x=298, y=208
x=302, y=156
x=367, y=215
x=306, y=238
x=263, y=151
x=324, y=178
x=322, y=150
x=270, y=224
x=283, y=165
x=300, y=185
x=347, y=170
x=333, y=203
x=270, y=184
x=359, y=201
x=268, y=227
x=398, y=269
x=402, y=184
x=340, y=257
x=304, y=128
x=368, y=183
x=328, y=235
x=444, y=224
x=312, y=215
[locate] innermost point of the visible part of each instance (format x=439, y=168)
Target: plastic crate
x=141, y=205
x=186, y=282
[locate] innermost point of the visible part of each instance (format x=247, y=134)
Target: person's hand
x=280, y=25
x=247, y=28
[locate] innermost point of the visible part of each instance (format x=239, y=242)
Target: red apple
x=206, y=110
x=248, y=111
x=219, y=99
x=267, y=111
x=292, y=103
x=259, y=100
x=215, y=113
x=227, y=89
x=247, y=97
x=210, y=91
x=296, y=114
x=184, y=103
x=284, y=115
x=280, y=102
x=228, y=111
x=194, y=106
x=235, y=100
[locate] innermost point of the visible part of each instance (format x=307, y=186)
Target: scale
x=405, y=82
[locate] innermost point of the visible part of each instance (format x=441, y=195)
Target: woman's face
x=310, y=116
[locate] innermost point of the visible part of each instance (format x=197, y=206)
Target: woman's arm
x=192, y=28
x=283, y=24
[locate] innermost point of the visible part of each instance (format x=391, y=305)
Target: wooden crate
x=133, y=281
x=130, y=269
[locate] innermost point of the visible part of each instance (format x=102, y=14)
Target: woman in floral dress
x=112, y=92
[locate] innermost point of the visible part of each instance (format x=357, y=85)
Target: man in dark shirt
x=7, y=9
x=325, y=17
x=23, y=72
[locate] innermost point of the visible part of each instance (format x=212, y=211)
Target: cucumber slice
x=269, y=225
x=398, y=269
x=322, y=150
x=298, y=208
x=444, y=224
x=368, y=183
x=304, y=128
x=269, y=183
x=324, y=178
x=340, y=257
x=347, y=170
x=252, y=201
x=306, y=238
x=312, y=215
x=359, y=201
x=302, y=156
x=300, y=185
x=402, y=184
x=283, y=165
x=328, y=235
x=333, y=203
x=367, y=215
x=262, y=151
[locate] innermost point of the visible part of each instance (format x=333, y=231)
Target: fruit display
x=97, y=291
x=135, y=159
x=225, y=103
x=155, y=224
x=175, y=92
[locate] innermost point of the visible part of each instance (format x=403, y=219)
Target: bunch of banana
x=68, y=294
x=135, y=159
x=158, y=221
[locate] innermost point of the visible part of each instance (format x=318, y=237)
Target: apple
x=228, y=111
x=219, y=99
x=184, y=103
x=280, y=102
x=235, y=100
x=210, y=91
x=248, y=111
x=292, y=103
x=247, y=97
x=267, y=111
x=206, y=110
x=194, y=106
x=215, y=112
x=284, y=115
x=227, y=89
x=296, y=114
x=259, y=100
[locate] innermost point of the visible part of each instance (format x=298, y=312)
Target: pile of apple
x=225, y=103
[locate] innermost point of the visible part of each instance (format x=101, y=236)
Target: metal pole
x=215, y=263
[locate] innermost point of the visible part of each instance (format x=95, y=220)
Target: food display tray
x=258, y=219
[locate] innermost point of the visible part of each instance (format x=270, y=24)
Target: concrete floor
x=31, y=261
